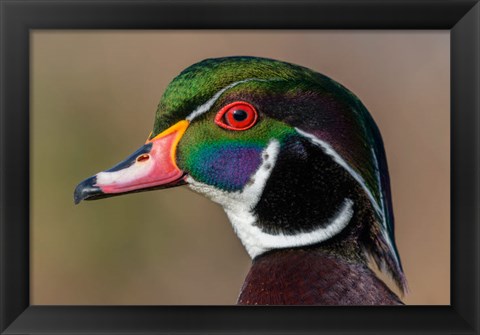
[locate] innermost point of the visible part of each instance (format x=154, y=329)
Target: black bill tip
x=86, y=190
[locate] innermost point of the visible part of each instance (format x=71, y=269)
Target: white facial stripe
x=384, y=221
x=337, y=158
x=257, y=242
x=207, y=105
x=380, y=210
x=246, y=199
x=239, y=208
x=239, y=205
x=377, y=173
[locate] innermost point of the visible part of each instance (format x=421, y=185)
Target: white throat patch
x=239, y=208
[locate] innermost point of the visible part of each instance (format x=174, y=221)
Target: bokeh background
x=93, y=98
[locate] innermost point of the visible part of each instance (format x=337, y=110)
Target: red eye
x=238, y=115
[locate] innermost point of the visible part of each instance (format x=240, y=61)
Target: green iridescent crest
x=199, y=82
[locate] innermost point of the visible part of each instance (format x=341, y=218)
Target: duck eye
x=238, y=115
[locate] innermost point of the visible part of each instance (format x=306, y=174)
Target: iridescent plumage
x=309, y=173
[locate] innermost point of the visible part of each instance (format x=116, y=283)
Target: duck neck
x=316, y=275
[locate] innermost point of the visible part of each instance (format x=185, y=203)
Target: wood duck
x=298, y=165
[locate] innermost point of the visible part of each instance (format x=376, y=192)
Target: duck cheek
x=228, y=168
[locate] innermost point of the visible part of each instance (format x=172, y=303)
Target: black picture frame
x=18, y=17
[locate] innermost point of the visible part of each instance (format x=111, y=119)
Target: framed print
x=80, y=84
x=89, y=261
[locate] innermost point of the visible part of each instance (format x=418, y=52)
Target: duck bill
x=153, y=166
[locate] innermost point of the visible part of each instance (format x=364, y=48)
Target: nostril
x=143, y=158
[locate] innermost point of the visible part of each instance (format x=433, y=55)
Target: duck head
x=294, y=158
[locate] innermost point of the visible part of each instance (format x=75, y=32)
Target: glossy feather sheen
x=301, y=99
x=224, y=158
x=312, y=277
x=304, y=182
x=227, y=166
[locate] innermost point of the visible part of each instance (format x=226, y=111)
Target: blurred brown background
x=94, y=94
